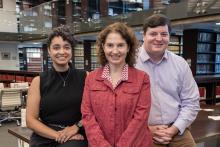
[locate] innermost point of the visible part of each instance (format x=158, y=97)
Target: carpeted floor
x=6, y=139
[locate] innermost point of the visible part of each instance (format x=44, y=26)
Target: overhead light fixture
x=36, y=42
x=217, y=23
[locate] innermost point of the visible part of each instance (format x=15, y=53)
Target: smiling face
x=115, y=49
x=60, y=52
x=156, y=41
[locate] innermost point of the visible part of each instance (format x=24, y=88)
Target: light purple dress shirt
x=174, y=92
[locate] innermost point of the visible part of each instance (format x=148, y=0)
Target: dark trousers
x=39, y=141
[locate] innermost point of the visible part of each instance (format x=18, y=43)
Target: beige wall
x=8, y=20
x=12, y=63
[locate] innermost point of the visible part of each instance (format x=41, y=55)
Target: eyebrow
x=61, y=45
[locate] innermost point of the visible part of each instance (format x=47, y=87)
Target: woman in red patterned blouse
x=116, y=100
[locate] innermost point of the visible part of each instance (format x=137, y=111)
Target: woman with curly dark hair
x=54, y=98
x=116, y=99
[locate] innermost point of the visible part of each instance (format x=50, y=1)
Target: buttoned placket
x=157, y=87
x=114, y=90
x=115, y=122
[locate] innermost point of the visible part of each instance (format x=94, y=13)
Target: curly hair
x=63, y=32
x=126, y=33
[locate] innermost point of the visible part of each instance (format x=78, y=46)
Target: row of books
x=218, y=38
x=205, y=47
x=174, y=40
x=206, y=37
x=94, y=58
x=176, y=49
x=207, y=68
x=217, y=68
x=49, y=62
x=34, y=68
x=204, y=68
x=34, y=64
x=94, y=66
x=205, y=58
x=79, y=56
x=208, y=58
x=79, y=52
x=16, y=78
x=218, y=48
x=36, y=60
x=217, y=58
x=79, y=66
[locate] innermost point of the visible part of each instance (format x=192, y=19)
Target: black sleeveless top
x=59, y=104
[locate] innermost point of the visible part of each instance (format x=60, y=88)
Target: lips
x=158, y=45
x=61, y=58
x=115, y=57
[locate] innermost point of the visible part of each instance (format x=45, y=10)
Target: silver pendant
x=64, y=83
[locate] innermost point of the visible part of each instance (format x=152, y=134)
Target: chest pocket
x=130, y=96
x=131, y=92
x=98, y=95
x=98, y=88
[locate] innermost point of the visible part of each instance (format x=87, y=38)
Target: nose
x=159, y=37
x=62, y=50
x=115, y=49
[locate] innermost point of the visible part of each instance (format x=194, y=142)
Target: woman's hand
x=67, y=133
x=77, y=137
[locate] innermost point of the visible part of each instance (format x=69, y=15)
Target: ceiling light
x=217, y=23
x=36, y=42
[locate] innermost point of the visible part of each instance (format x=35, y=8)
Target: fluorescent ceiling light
x=217, y=23
x=36, y=43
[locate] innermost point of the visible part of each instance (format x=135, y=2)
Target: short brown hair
x=126, y=33
x=156, y=20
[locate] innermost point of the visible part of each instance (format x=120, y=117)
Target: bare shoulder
x=35, y=85
x=35, y=81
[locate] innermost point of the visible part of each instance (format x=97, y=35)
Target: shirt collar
x=145, y=57
x=106, y=73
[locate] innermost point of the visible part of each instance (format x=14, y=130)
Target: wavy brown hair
x=126, y=33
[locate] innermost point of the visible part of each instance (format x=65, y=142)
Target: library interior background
x=25, y=25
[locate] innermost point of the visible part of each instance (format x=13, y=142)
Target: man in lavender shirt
x=175, y=95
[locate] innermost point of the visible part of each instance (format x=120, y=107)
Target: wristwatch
x=79, y=124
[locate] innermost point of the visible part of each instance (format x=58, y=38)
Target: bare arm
x=32, y=112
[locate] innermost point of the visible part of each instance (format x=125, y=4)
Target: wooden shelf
x=176, y=45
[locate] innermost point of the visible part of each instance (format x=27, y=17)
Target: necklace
x=64, y=79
